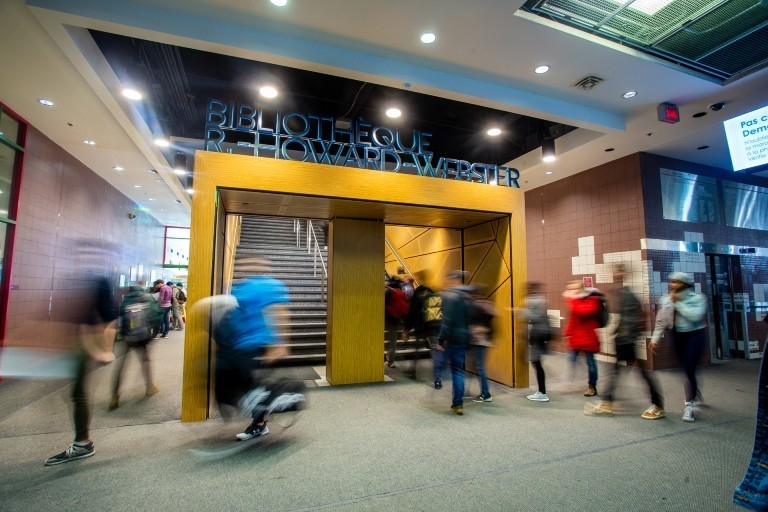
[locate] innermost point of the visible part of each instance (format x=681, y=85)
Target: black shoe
x=252, y=431
x=438, y=384
x=74, y=452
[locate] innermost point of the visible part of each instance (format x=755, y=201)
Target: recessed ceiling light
x=608, y=150
x=178, y=200
x=162, y=143
x=493, y=132
x=190, y=191
x=549, y=158
x=268, y=91
x=394, y=113
x=541, y=69
x=180, y=172
x=629, y=94
x=118, y=168
x=152, y=171
x=548, y=172
x=702, y=147
x=279, y=3
x=150, y=198
x=90, y=142
x=137, y=186
x=428, y=38
x=132, y=94
x=699, y=114
x=43, y=101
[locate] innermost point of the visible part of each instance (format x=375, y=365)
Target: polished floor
x=389, y=446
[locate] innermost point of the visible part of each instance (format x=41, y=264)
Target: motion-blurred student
x=585, y=310
x=539, y=333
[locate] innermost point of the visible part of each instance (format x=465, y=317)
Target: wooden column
x=355, y=325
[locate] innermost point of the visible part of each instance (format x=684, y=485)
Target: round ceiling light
x=90, y=142
x=393, y=113
x=118, y=168
x=43, y=101
x=428, y=38
x=180, y=172
x=541, y=69
x=268, y=92
x=548, y=172
x=629, y=94
x=162, y=143
x=279, y=3
x=132, y=94
x=494, y=132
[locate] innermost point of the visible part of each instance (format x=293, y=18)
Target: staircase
x=275, y=239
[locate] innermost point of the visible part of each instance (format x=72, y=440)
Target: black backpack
x=602, y=315
x=135, y=322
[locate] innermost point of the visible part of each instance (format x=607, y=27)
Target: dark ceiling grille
x=722, y=39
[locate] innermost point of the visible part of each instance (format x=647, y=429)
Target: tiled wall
x=579, y=226
x=63, y=202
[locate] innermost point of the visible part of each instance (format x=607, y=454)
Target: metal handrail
x=317, y=254
x=297, y=230
x=402, y=262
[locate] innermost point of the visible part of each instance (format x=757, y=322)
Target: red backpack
x=397, y=303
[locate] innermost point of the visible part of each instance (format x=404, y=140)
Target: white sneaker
x=538, y=397
x=688, y=412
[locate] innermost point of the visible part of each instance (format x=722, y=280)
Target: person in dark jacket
x=481, y=315
x=424, y=317
x=139, y=307
x=629, y=327
x=454, y=333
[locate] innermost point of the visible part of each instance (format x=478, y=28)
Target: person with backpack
x=395, y=310
x=425, y=313
x=138, y=311
x=454, y=334
x=683, y=311
x=587, y=307
x=182, y=299
x=626, y=331
x=539, y=333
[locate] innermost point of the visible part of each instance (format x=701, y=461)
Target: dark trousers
x=626, y=352
x=541, y=379
x=81, y=412
x=689, y=347
x=123, y=349
x=165, y=324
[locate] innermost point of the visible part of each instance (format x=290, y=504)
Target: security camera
x=715, y=107
x=131, y=216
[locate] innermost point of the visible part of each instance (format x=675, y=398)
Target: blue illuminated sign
x=310, y=138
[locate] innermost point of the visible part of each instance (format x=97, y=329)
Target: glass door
x=726, y=307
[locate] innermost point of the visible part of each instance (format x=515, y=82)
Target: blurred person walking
x=96, y=326
x=539, y=333
x=165, y=300
x=138, y=311
x=423, y=320
x=682, y=311
x=585, y=306
x=481, y=315
x=395, y=310
x=454, y=332
x=629, y=327
x=182, y=299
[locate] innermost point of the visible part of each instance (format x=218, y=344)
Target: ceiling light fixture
x=428, y=38
x=137, y=186
x=548, y=172
x=132, y=94
x=152, y=171
x=268, y=92
x=649, y=7
x=180, y=172
x=162, y=143
x=90, y=142
x=279, y=3
x=43, y=101
x=190, y=191
x=541, y=69
x=629, y=94
x=393, y=113
x=548, y=150
x=494, y=132
x=702, y=147
x=118, y=168
x=699, y=114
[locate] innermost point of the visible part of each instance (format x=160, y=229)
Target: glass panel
x=7, y=160
x=9, y=128
x=177, y=233
x=3, y=231
x=176, y=251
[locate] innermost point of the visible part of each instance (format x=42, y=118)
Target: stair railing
x=314, y=246
x=402, y=261
x=297, y=230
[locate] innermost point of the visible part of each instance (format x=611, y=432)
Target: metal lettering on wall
x=746, y=206
x=309, y=138
x=689, y=197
